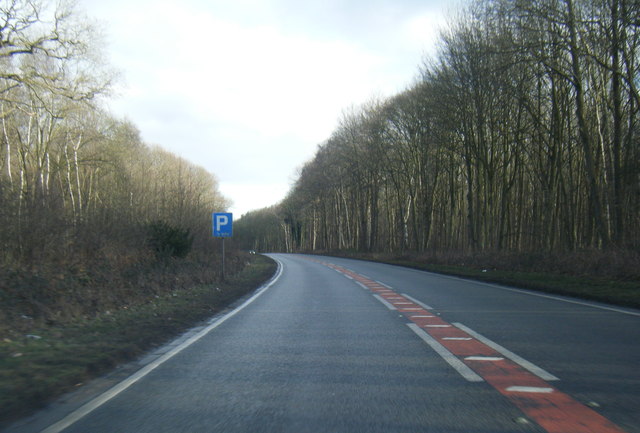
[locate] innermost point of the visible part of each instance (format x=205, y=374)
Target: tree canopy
x=520, y=135
x=74, y=180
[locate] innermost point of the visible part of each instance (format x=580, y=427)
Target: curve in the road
x=477, y=359
x=94, y=404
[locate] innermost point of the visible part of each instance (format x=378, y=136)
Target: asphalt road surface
x=337, y=345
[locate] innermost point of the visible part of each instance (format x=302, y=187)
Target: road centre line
x=415, y=301
x=553, y=410
x=385, y=303
x=362, y=285
x=527, y=365
x=94, y=404
x=449, y=357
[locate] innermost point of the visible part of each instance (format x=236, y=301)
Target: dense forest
x=520, y=135
x=88, y=210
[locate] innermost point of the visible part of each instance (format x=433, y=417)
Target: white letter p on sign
x=221, y=220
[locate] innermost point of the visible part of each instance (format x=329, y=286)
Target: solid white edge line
x=530, y=293
x=89, y=407
x=541, y=373
x=555, y=298
x=385, y=303
x=449, y=357
x=415, y=301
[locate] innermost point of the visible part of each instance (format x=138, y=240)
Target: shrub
x=169, y=241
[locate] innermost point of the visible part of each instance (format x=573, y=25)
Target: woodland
x=519, y=137
x=91, y=217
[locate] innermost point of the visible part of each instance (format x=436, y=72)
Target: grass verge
x=49, y=361
x=617, y=292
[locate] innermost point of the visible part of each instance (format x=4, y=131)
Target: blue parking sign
x=222, y=224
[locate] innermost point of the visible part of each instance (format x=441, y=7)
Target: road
x=337, y=345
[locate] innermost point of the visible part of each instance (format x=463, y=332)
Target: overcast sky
x=248, y=89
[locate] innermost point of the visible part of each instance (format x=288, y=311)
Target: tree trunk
x=596, y=209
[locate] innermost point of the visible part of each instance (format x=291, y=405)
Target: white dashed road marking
x=531, y=389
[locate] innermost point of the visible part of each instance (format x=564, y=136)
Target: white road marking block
x=531, y=389
x=449, y=357
x=483, y=358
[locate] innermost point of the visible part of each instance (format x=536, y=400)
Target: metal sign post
x=222, y=228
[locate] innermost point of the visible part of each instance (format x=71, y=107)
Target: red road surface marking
x=552, y=409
